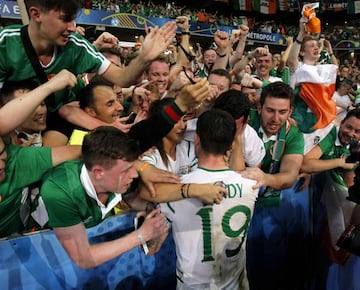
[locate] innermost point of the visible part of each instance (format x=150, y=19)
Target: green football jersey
x=24, y=166
x=66, y=200
x=77, y=55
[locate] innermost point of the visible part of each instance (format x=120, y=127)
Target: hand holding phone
x=131, y=119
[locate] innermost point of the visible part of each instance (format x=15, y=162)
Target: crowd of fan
x=333, y=33
x=285, y=117
x=348, y=31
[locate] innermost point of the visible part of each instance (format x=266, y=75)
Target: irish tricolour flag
x=244, y=5
x=266, y=7
x=353, y=7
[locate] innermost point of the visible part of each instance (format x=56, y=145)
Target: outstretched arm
x=27, y=103
x=289, y=172
x=61, y=154
x=155, y=42
x=239, y=52
x=72, y=113
x=312, y=162
x=285, y=55
x=166, y=192
x=292, y=61
x=75, y=241
x=222, y=40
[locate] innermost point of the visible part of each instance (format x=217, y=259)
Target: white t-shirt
x=253, y=147
x=318, y=74
x=185, y=159
x=271, y=79
x=210, y=240
x=343, y=100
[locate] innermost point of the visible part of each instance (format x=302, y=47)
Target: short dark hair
x=156, y=108
x=234, y=102
x=69, y=7
x=345, y=81
x=216, y=130
x=86, y=94
x=353, y=113
x=159, y=59
x=9, y=87
x=106, y=144
x=277, y=90
x=344, y=66
x=223, y=73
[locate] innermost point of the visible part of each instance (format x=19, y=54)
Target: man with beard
x=284, y=147
x=209, y=58
x=52, y=38
x=329, y=156
x=276, y=103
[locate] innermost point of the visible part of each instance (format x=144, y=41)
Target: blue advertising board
x=38, y=261
x=10, y=9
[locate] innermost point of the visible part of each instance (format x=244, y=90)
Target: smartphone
x=221, y=184
x=298, y=184
x=138, y=221
x=131, y=119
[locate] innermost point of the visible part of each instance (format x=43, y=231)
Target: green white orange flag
x=283, y=5
x=265, y=7
x=353, y=7
x=244, y=5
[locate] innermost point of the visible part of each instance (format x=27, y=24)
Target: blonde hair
x=305, y=40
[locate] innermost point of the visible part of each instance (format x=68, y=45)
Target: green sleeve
x=294, y=143
x=61, y=207
x=327, y=144
x=26, y=165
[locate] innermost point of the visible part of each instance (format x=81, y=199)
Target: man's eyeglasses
x=194, y=65
x=187, y=76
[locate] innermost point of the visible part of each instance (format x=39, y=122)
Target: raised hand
x=156, y=41
x=183, y=23
x=154, y=226
x=192, y=95
x=222, y=40
x=106, y=40
x=64, y=79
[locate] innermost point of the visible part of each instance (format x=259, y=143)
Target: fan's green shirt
x=294, y=142
x=331, y=149
x=284, y=74
x=66, y=200
x=77, y=56
x=24, y=166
